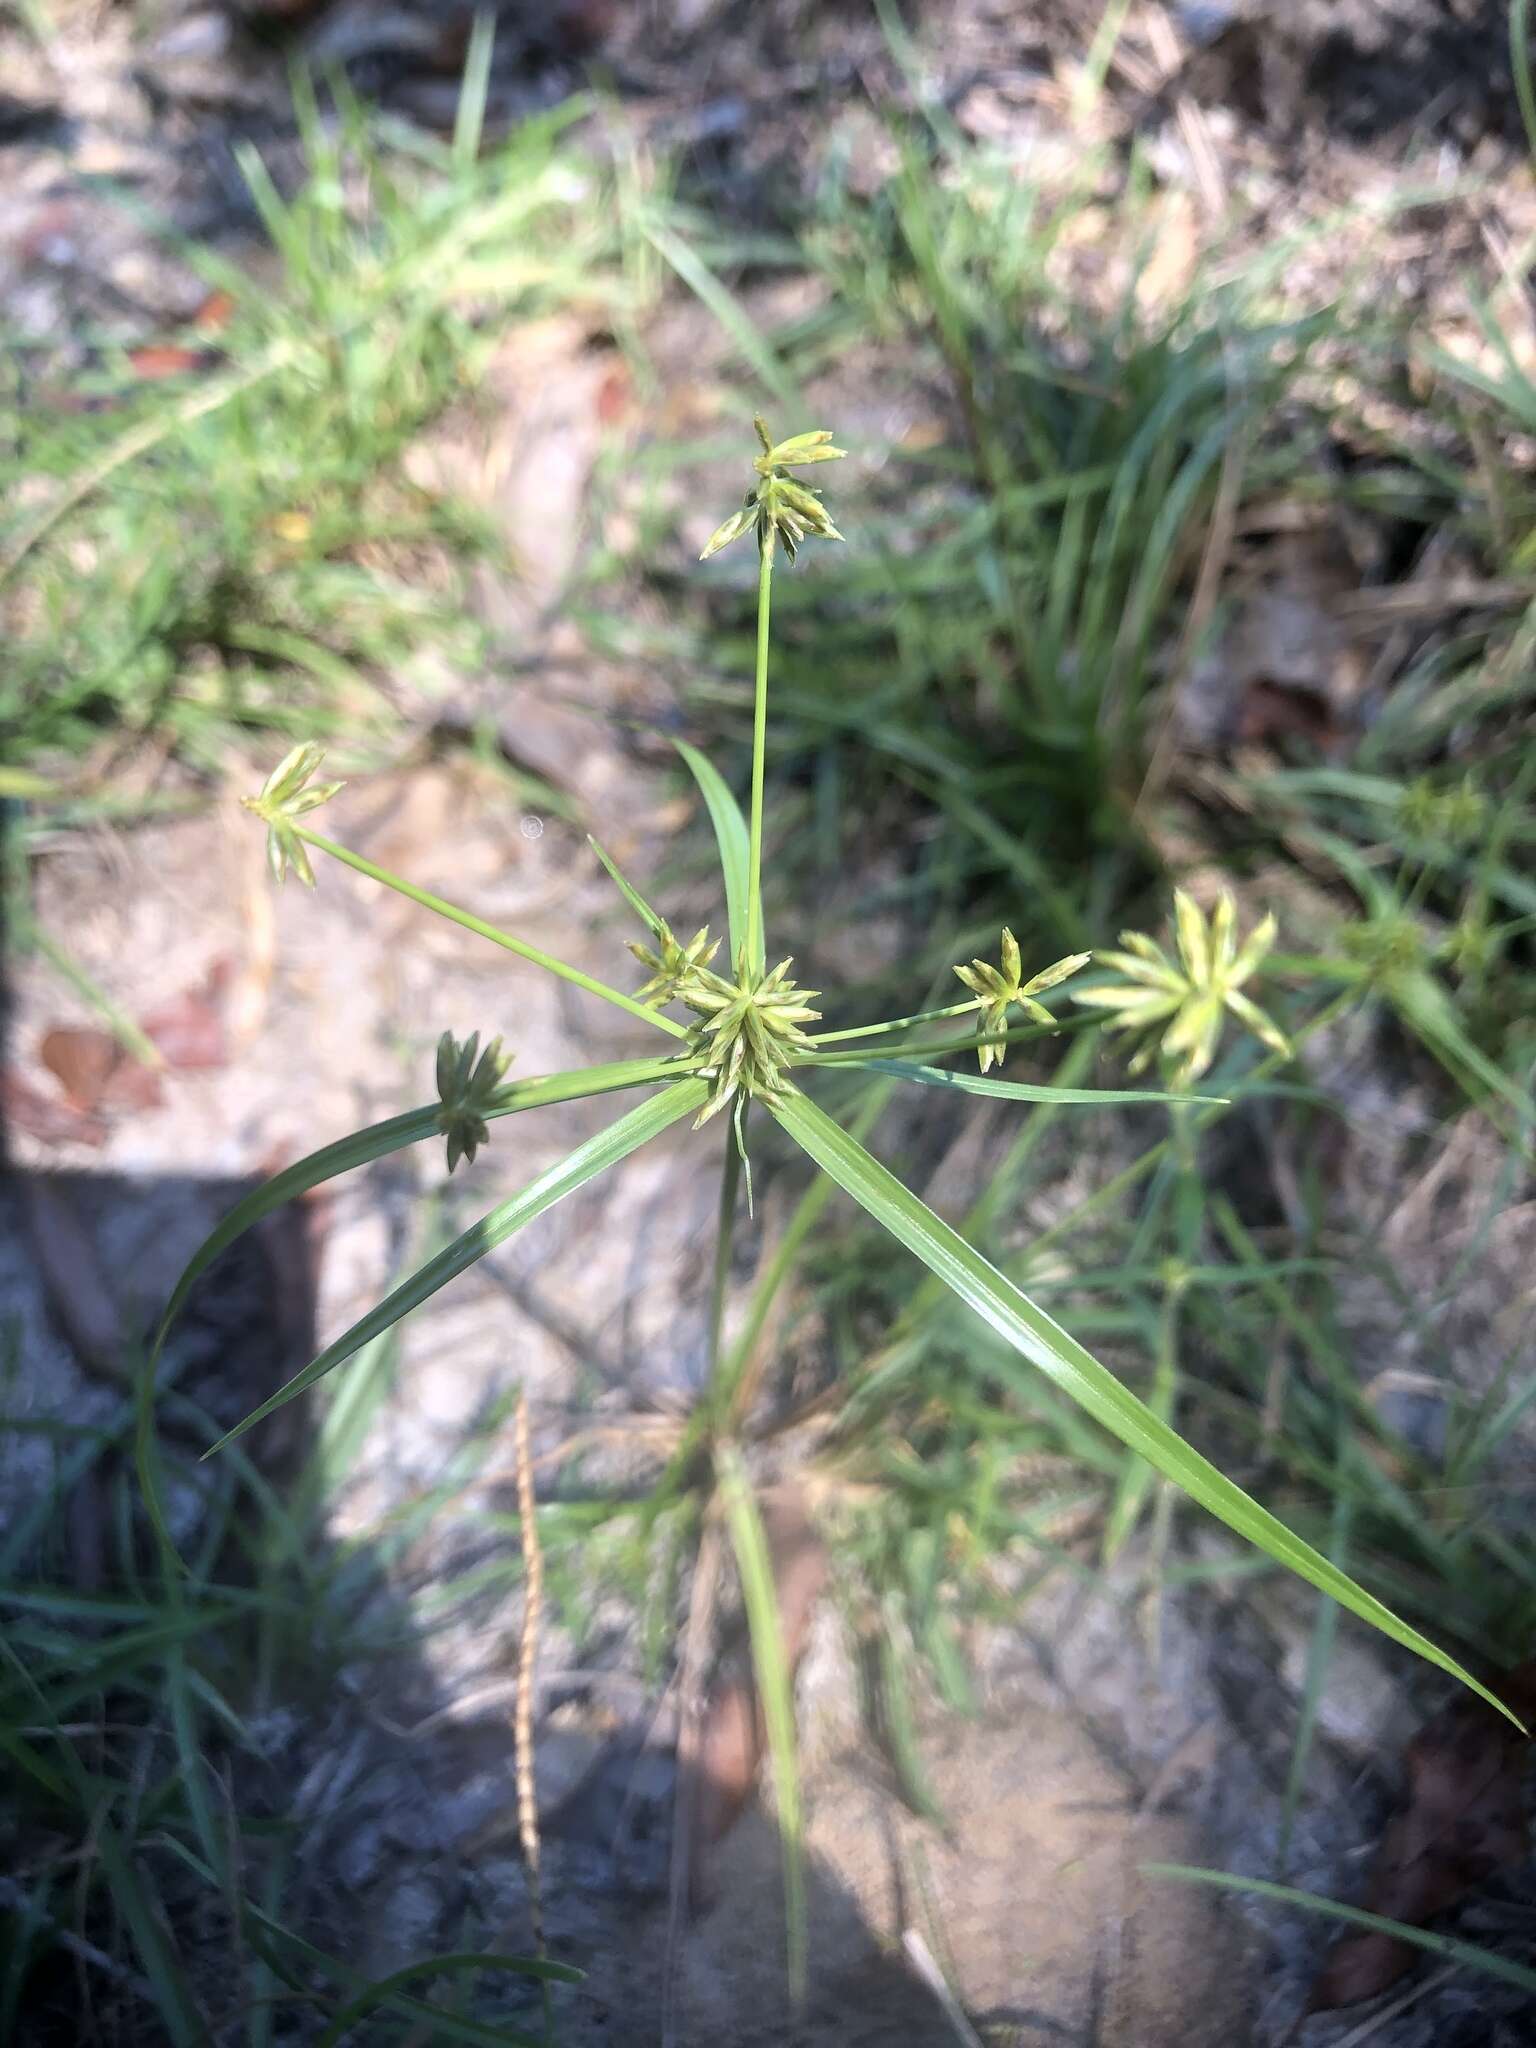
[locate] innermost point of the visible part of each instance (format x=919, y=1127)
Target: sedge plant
x=744, y=1041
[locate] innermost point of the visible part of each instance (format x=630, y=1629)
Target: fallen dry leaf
x=1464, y=1821
x=730, y=1754
x=616, y=394
x=45, y=1117
x=189, y=1031
x=1271, y=712
x=98, y=1076
x=215, y=313
x=157, y=360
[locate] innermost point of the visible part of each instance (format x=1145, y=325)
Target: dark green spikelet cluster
x=467, y=1081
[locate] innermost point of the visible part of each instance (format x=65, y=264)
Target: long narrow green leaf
x=733, y=841
x=1032, y=1333
x=189, y=1751
x=376, y=1142
x=647, y=1121
x=775, y=1688
x=272, y=1940
x=393, y=1135
x=467, y=1964
x=888, y=1683
x=137, y=1900
x=469, y=119
x=1520, y=61
x=631, y=895
x=755, y=352
x=1021, y=1091
x=26, y=1759
x=1444, y=1945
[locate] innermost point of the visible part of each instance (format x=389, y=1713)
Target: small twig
x=1427, y=597
x=654, y=1736
x=1204, y=161
x=920, y=1956
x=1411, y=1996
x=527, y=1659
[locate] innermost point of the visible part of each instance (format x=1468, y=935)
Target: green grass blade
x=1029, y=1331
x=190, y=1755
x=726, y=308
x=383, y=1992
x=360, y=1149
x=1136, y=1480
x=363, y=1147
x=631, y=895
x=124, y=1028
x=732, y=839
x=1520, y=63
x=1446, y=1946
x=775, y=1688
x=1319, y=1659
x=469, y=117
x=893, y=1712
x=26, y=1760
x=175, y=2002
x=341, y=1157
x=584, y=1164
x=273, y=1941
x=468, y=921
x=1022, y=1091
x=776, y=1271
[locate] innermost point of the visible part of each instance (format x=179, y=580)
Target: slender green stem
x=933, y=1048
x=478, y=925
x=740, y=1370
x=895, y=1023
x=121, y=1025
x=759, y=750
x=730, y=1178
x=1520, y=62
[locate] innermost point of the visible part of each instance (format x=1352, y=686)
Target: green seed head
x=999, y=989
x=672, y=967
x=749, y=1032
x=778, y=507
x=1178, y=1008
x=288, y=793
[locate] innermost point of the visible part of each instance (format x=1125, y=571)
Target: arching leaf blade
x=732, y=838
x=643, y=1123
x=1028, y=1330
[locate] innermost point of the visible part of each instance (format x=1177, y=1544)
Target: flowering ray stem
x=478, y=925
x=894, y=1023
x=759, y=750
x=933, y=1048
x=730, y=1177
